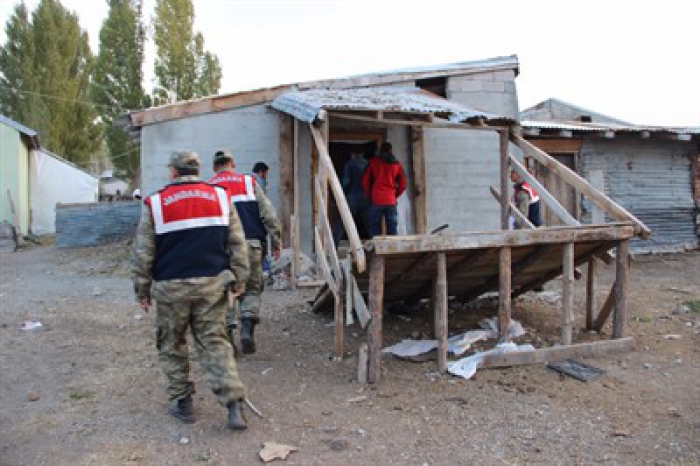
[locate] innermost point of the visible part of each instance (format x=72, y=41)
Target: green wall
x=14, y=175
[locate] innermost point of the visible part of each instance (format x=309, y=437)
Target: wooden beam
x=356, y=248
x=505, y=178
x=339, y=327
x=417, y=267
x=591, y=290
x=286, y=164
x=513, y=209
x=545, y=196
x=325, y=269
x=497, y=239
x=440, y=310
x=345, y=116
x=420, y=188
x=347, y=278
x=504, y=294
x=621, y=276
x=581, y=185
x=605, y=310
x=296, y=224
x=359, y=304
x=293, y=263
x=311, y=284
x=376, y=307
x=567, y=293
x=330, y=247
x=558, y=353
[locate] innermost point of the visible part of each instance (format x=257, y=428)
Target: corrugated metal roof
x=30, y=133
x=576, y=126
x=306, y=105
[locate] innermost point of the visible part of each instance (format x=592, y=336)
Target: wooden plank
x=293, y=263
x=545, y=196
x=311, y=284
x=347, y=277
x=286, y=164
x=557, y=146
x=605, y=310
x=296, y=224
x=356, y=247
x=621, y=277
x=591, y=290
x=420, y=188
x=362, y=363
x=368, y=119
x=376, y=306
x=504, y=292
x=440, y=309
x=417, y=268
x=505, y=178
x=359, y=303
x=559, y=353
x=498, y=239
x=513, y=209
x=567, y=293
x=324, y=268
x=330, y=247
x=582, y=186
x=339, y=327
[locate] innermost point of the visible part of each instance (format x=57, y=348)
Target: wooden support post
x=296, y=223
x=606, y=310
x=591, y=289
x=347, y=276
x=419, y=181
x=440, y=311
x=339, y=326
x=286, y=175
x=293, y=263
x=504, y=295
x=567, y=293
x=362, y=363
x=376, y=307
x=621, y=276
x=505, y=178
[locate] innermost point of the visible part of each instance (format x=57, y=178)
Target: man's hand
x=145, y=303
x=237, y=289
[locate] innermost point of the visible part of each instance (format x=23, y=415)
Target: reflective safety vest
x=533, y=213
x=191, y=223
x=241, y=191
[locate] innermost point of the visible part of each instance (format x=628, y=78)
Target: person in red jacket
x=384, y=181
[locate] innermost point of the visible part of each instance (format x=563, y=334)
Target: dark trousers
x=375, y=214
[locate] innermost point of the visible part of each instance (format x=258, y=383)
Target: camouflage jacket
x=144, y=250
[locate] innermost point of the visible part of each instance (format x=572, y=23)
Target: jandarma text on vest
x=178, y=196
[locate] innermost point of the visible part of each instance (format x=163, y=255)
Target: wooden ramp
x=468, y=265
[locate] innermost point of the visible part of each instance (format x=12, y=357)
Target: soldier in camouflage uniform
x=189, y=250
x=259, y=219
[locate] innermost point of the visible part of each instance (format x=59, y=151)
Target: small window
x=437, y=86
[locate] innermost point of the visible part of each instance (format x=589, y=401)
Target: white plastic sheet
x=466, y=367
x=53, y=181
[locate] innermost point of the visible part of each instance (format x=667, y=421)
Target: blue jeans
x=375, y=214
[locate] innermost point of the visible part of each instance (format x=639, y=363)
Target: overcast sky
x=635, y=60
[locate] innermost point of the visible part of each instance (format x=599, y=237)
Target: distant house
x=36, y=180
x=652, y=171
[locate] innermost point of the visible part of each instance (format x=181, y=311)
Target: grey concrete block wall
x=251, y=132
x=492, y=92
x=83, y=225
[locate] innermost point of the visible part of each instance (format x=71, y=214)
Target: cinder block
x=495, y=86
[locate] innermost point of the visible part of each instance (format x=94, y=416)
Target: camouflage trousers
x=200, y=304
x=249, y=302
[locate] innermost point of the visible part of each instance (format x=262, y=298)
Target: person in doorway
x=188, y=251
x=351, y=179
x=260, y=171
x=259, y=219
x=527, y=200
x=383, y=182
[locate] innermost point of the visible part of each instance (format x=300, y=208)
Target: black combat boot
x=183, y=409
x=247, y=340
x=236, y=421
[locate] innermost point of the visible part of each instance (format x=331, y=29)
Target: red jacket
x=384, y=180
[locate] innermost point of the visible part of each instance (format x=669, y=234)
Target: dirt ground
x=86, y=388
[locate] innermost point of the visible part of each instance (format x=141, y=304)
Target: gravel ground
x=86, y=388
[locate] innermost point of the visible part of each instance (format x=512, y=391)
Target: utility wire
x=64, y=99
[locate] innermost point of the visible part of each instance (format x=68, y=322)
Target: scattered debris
x=339, y=444
x=30, y=325
x=265, y=371
x=672, y=336
x=466, y=367
x=32, y=396
x=357, y=399
x=253, y=408
x=577, y=370
x=184, y=441
x=272, y=451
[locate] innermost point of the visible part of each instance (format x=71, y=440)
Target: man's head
x=223, y=160
x=515, y=177
x=386, y=148
x=261, y=169
x=184, y=163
